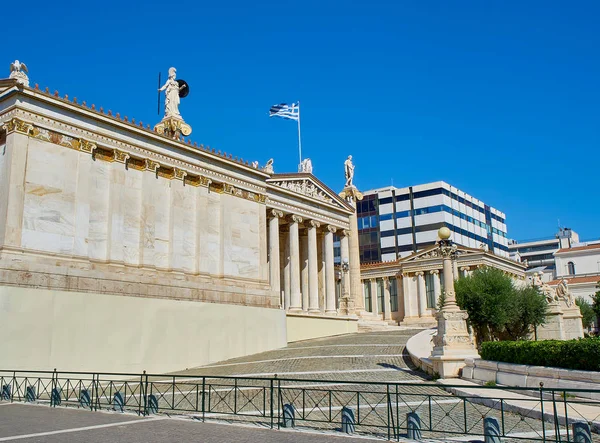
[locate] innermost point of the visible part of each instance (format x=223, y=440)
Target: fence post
x=144, y=394
x=52, y=395
x=271, y=402
x=203, y=398
x=542, y=410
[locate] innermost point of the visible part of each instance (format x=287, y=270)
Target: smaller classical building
x=406, y=291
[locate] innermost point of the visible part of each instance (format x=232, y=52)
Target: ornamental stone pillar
x=454, y=270
x=437, y=287
x=329, y=272
x=313, y=268
x=346, y=302
x=274, y=264
x=453, y=343
x=387, y=305
x=295, y=295
x=422, y=291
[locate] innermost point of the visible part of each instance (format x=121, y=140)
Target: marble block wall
x=77, y=207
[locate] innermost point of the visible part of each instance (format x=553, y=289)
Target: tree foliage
x=596, y=301
x=499, y=310
x=587, y=311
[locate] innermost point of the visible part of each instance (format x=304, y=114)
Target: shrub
x=587, y=312
x=582, y=354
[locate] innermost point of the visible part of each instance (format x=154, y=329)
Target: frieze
x=116, y=155
x=304, y=187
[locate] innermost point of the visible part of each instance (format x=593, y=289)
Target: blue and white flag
x=283, y=110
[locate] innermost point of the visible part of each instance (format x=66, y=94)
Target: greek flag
x=283, y=110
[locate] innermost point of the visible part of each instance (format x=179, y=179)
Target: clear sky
x=500, y=99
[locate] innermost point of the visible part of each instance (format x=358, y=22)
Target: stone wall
x=74, y=331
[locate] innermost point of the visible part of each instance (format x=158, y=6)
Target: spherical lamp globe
x=444, y=233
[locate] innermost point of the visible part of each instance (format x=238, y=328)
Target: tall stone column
x=387, y=305
x=454, y=270
x=329, y=272
x=453, y=343
x=274, y=265
x=465, y=271
x=304, y=269
x=286, y=271
x=295, y=295
x=437, y=287
x=346, y=302
x=422, y=290
x=313, y=268
x=374, y=297
x=351, y=195
x=406, y=296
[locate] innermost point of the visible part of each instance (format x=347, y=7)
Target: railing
x=380, y=409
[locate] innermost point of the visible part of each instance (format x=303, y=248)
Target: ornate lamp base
x=173, y=127
x=452, y=344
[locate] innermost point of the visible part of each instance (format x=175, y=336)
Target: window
x=430, y=290
x=571, y=268
x=393, y=294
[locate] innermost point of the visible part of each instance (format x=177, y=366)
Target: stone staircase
x=377, y=325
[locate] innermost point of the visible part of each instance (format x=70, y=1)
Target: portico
x=407, y=291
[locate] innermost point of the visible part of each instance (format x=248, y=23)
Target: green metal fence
x=378, y=408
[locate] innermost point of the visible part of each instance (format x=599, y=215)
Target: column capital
x=331, y=228
x=405, y=274
x=419, y=273
x=295, y=219
x=274, y=213
x=434, y=271
x=346, y=232
x=465, y=268
x=314, y=224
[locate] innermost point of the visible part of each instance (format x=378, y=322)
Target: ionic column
x=406, y=295
x=465, y=271
x=304, y=270
x=437, y=289
x=387, y=306
x=274, y=265
x=295, y=295
x=374, y=298
x=313, y=268
x=329, y=272
x=422, y=293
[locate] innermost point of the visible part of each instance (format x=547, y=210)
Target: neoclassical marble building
x=407, y=290
x=159, y=243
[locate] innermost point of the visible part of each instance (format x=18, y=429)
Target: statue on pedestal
x=306, y=166
x=172, y=124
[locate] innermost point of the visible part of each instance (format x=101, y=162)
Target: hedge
x=582, y=354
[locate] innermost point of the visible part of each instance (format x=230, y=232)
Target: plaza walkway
x=372, y=357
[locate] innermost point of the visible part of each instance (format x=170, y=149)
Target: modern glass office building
x=395, y=222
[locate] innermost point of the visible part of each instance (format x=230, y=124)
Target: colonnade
x=301, y=263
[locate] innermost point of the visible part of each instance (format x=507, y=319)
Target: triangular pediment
x=308, y=186
x=433, y=252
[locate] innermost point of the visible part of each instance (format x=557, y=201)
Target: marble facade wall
x=72, y=205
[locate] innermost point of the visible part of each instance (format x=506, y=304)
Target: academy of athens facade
x=150, y=252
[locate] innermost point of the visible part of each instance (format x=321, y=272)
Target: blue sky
x=499, y=99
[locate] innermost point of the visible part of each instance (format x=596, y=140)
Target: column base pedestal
x=452, y=344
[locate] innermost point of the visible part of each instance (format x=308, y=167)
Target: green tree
x=596, y=301
x=587, y=312
x=498, y=310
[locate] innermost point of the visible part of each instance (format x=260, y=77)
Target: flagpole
x=299, y=137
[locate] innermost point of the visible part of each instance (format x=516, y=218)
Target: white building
x=396, y=222
x=580, y=266
x=538, y=254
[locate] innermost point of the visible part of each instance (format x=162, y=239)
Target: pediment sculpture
x=305, y=187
